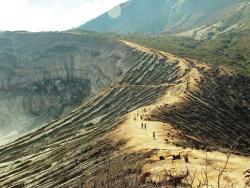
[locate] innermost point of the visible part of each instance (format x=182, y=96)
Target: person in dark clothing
x=154, y=135
x=145, y=126
x=142, y=125
x=186, y=158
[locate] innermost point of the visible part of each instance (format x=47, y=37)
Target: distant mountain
x=172, y=16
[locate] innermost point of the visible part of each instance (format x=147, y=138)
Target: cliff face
x=46, y=75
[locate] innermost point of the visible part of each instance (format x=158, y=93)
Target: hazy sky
x=50, y=15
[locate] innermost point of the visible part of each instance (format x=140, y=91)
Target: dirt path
x=141, y=138
x=131, y=130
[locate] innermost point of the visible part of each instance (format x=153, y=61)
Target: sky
x=52, y=15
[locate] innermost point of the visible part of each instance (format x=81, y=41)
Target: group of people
x=144, y=126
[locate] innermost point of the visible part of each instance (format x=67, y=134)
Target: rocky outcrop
x=27, y=106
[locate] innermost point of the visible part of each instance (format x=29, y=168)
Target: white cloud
x=50, y=15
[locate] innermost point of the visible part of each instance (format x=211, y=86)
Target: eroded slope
x=76, y=149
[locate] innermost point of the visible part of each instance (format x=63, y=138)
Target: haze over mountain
x=174, y=16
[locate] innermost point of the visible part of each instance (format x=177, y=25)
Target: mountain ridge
x=169, y=16
x=76, y=149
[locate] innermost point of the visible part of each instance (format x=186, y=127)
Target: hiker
x=145, y=126
x=186, y=158
x=154, y=135
x=142, y=125
x=141, y=117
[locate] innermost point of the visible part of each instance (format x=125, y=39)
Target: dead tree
x=186, y=158
x=222, y=170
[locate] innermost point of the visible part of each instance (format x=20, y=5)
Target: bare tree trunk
x=221, y=171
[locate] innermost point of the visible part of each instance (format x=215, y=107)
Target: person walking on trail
x=145, y=126
x=154, y=135
x=142, y=125
x=134, y=118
